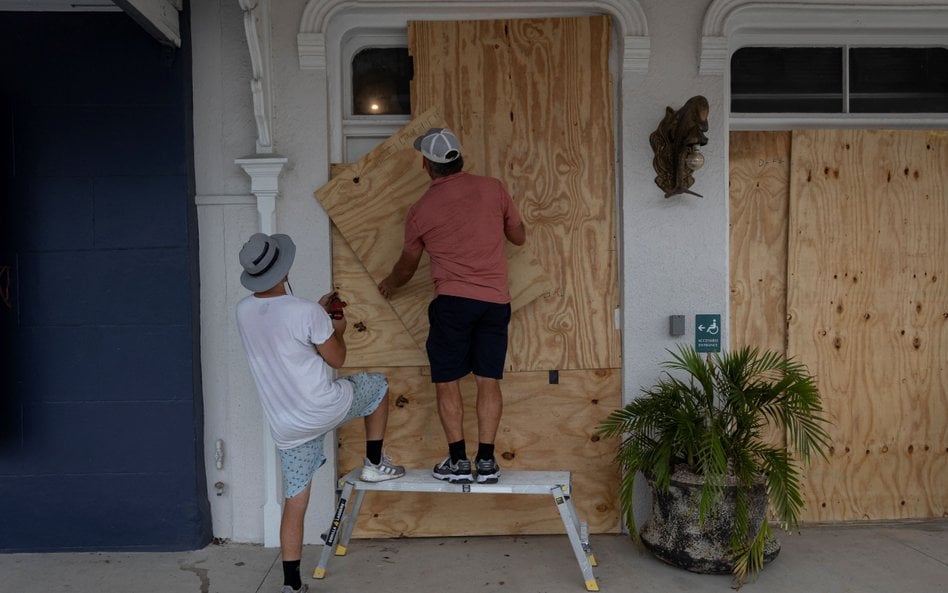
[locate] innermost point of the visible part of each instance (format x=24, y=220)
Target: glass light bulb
x=694, y=159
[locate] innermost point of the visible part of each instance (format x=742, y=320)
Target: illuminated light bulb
x=374, y=107
x=694, y=160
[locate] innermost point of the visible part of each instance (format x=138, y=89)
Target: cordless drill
x=336, y=306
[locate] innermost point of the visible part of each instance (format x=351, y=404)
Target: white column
x=264, y=175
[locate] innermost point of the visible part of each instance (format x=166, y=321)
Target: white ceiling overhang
x=158, y=17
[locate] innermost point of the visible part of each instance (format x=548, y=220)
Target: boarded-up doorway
x=531, y=101
x=839, y=257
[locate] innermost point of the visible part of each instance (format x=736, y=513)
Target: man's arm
x=333, y=350
x=517, y=235
x=402, y=272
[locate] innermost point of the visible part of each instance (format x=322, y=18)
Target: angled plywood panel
x=759, y=196
x=375, y=336
x=868, y=310
x=368, y=202
x=544, y=427
x=531, y=101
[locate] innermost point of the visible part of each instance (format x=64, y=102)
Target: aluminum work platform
x=552, y=483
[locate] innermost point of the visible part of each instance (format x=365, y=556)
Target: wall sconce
x=675, y=143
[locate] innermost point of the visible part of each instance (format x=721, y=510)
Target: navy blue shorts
x=466, y=335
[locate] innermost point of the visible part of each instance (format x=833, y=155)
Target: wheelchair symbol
x=711, y=329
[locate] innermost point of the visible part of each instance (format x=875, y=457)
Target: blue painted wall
x=101, y=420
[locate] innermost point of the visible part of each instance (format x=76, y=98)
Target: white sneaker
x=288, y=589
x=385, y=470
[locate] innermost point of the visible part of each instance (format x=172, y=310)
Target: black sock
x=457, y=451
x=291, y=574
x=373, y=450
x=485, y=450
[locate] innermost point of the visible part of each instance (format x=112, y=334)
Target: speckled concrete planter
x=672, y=533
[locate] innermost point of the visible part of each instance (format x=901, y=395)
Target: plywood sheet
x=368, y=202
x=868, y=310
x=375, y=336
x=544, y=427
x=531, y=101
x=759, y=196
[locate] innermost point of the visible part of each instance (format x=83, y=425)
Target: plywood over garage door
x=531, y=102
x=758, y=207
x=862, y=237
x=868, y=309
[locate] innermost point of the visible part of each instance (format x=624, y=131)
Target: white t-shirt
x=299, y=395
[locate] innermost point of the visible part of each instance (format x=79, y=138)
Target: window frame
x=846, y=95
x=364, y=127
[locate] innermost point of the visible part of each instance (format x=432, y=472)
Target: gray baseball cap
x=439, y=145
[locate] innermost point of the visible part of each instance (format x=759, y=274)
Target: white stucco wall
x=674, y=251
x=673, y=256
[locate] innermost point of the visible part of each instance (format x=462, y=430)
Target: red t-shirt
x=460, y=221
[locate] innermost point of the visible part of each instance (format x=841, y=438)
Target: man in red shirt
x=463, y=221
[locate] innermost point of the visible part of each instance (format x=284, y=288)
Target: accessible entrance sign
x=707, y=333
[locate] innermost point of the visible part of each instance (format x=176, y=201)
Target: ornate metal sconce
x=675, y=143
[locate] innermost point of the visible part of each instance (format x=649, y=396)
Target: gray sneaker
x=459, y=472
x=488, y=472
x=288, y=589
x=384, y=470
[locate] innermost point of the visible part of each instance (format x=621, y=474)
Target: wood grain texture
x=544, y=427
x=368, y=202
x=531, y=101
x=375, y=336
x=759, y=202
x=868, y=309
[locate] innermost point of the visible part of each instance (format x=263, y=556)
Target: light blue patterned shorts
x=300, y=463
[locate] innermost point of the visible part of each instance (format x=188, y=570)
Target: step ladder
x=552, y=483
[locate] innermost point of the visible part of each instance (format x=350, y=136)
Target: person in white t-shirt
x=293, y=346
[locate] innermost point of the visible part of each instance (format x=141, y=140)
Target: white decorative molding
x=158, y=17
x=312, y=51
x=319, y=14
x=260, y=63
x=628, y=14
x=714, y=55
x=732, y=24
x=635, y=53
x=264, y=175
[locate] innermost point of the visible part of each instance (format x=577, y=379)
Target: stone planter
x=673, y=534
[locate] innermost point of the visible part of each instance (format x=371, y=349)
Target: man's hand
x=402, y=272
x=387, y=287
x=328, y=303
x=324, y=300
x=333, y=350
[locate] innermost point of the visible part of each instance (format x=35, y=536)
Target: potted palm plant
x=702, y=436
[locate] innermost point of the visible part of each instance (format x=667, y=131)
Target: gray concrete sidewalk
x=885, y=558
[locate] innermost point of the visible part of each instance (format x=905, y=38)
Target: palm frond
x=710, y=412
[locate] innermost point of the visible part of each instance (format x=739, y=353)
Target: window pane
x=898, y=80
x=787, y=80
x=380, y=81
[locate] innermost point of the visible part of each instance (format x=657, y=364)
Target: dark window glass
x=898, y=80
x=380, y=81
x=787, y=80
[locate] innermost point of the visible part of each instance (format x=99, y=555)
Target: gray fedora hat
x=266, y=260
